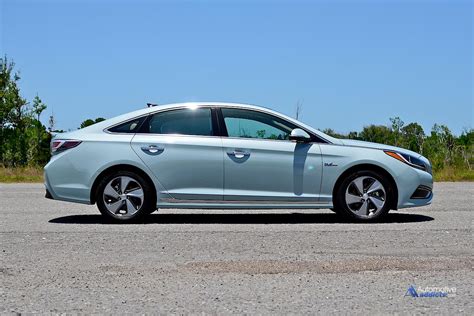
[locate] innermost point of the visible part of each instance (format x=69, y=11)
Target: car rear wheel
x=125, y=196
x=363, y=196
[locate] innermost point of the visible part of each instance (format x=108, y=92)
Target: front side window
x=252, y=124
x=185, y=122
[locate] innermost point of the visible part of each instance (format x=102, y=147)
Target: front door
x=262, y=164
x=181, y=149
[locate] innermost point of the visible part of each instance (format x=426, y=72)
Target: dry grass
x=22, y=174
x=451, y=174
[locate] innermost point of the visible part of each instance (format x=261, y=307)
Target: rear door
x=181, y=148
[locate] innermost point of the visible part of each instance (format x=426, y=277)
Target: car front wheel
x=363, y=196
x=125, y=196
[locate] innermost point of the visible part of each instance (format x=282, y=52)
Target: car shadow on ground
x=244, y=218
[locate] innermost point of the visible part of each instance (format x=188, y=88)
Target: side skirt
x=190, y=204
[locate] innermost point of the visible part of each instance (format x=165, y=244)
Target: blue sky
x=351, y=63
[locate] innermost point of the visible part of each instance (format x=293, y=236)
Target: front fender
x=338, y=159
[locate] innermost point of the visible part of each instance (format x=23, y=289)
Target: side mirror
x=300, y=136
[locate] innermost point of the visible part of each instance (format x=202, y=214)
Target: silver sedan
x=224, y=155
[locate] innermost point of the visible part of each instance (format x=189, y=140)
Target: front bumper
x=421, y=193
x=410, y=184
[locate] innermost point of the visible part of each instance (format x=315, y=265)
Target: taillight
x=58, y=145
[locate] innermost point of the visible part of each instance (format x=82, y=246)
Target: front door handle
x=153, y=149
x=237, y=153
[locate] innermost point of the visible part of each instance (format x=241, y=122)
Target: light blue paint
x=193, y=171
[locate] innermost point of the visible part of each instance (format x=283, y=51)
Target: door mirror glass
x=299, y=135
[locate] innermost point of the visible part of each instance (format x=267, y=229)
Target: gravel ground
x=59, y=257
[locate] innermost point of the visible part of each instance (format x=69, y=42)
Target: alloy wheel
x=365, y=196
x=123, y=196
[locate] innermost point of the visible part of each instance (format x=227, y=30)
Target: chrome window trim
x=181, y=107
x=271, y=114
x=243, y=107
x=177, y=109
x=106, y=130
x=264, y=139
x=178, y=135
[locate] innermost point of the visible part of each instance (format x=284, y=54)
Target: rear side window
x=128, y=127
x=185, y=122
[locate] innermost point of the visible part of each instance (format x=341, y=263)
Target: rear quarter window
x=131, y=126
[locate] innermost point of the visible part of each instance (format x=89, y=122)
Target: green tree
x=377, y=134
x=397, y=125
x=90, y=122
x=8, y=92
x=333, y=133
x=24, y=140
x=465, y=144
x=38, y=108
x=413, y=137
x=353, y=135
x=13, y=116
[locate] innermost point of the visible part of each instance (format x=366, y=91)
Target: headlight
x=409, y=160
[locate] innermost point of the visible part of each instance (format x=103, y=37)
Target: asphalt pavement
x=58, y=257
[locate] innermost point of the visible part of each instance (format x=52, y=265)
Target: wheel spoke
x=115, y=207
x=364, y=209
x=110, y=191
x=351, y=198
x=124, y=181
x=130, y=207
x=378, y=203
x=359, y=184
x=375, y=186
x=137, y=193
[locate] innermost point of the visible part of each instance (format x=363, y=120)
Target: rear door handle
x=237, y=153
x=153, y=149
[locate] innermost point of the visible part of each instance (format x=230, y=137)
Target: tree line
x=445, y=150
x=25, y=140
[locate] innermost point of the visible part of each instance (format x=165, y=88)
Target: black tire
x=334, y=210
x=151, y=211
x=148, y=204
x=339, y=199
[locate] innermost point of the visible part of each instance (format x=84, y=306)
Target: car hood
x=359, y=143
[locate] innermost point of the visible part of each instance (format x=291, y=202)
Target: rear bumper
x=48, y=195
x=49, y=191
x=62, y=192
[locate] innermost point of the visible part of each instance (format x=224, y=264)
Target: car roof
x=156, y=108
x=161, y=107
x=217, y=104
